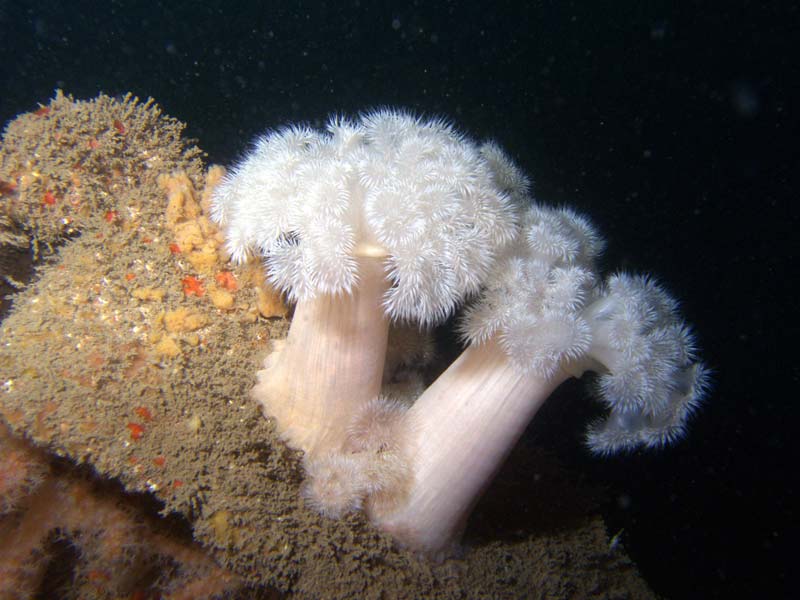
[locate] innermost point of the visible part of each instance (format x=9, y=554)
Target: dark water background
x=673, y=125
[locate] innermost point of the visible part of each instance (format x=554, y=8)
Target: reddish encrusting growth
x=227, y=280
x=144, y=412
x=137, y=430
x=193, y=286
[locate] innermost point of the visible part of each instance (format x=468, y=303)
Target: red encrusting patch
x=144, y=412
x=227, y=280
x=192, y=285
x=137, y=431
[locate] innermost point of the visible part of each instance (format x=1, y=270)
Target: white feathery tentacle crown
x=548, y=309
x=435, y=206
x=652, y=380
x=534, y=295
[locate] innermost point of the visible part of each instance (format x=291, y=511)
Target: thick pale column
x=461, y=430
x=330, y=365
